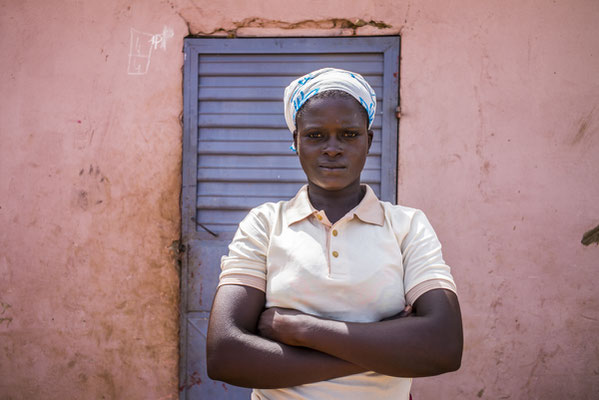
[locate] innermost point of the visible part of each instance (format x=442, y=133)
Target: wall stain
x=94, y=188
x=5, y=306
x=110, y=386
x=581, y=131
x=542, y=358
x=108, y=330
x=481, y=142
x=176, y=250
x=591, y=236
x=193, y=379
x=583, y=128
x=486, y=168
x=256, y=22
x=82, y=200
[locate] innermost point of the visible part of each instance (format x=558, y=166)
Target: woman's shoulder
x=404, y=219
x=397, y=210
x=267, y=212
x=270, y=207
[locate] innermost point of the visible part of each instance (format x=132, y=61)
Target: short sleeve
x=246, y=262
x=424, y=267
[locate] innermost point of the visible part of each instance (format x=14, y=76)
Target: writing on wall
x=141, y=47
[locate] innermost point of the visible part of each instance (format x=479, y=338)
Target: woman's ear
x=370, y=134
x=295, y=140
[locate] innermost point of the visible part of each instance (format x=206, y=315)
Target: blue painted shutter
x=243, y=142
x=236, y=153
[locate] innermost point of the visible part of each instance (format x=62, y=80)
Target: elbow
x=213, y=367
x=453, y=363
x=441, y=364
x=214, y=371
x=222, y=362
x=457, y=360
x=216, y=365
x=443, y=357
x=455, y=355
x=451, y=349
x=451, y=360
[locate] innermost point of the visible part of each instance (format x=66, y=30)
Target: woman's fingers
x=406, y=312
x=279, y=324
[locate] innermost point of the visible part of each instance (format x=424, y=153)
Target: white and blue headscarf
x=302, y=89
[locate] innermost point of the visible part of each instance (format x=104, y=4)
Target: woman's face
x=332, y=141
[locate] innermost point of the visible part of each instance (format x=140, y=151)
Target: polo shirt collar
x=299, y=207
x=369, y=210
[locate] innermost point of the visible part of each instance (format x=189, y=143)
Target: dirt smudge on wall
x=591, y=236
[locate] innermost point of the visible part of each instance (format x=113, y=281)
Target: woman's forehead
x=342, y=108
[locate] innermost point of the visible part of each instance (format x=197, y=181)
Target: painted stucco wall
x=499, y=144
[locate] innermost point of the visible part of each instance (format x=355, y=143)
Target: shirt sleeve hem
x=423, y=287
x=243, y=280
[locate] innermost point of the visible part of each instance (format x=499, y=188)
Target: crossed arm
x=252, y=347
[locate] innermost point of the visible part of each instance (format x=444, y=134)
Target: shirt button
x=335, y=254
x=334, y=232
x=319, y=217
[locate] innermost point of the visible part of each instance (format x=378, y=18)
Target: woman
x=333, y=294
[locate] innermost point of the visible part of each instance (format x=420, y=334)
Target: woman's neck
x=336, y=203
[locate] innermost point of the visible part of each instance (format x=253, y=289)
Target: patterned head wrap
x=301, y=89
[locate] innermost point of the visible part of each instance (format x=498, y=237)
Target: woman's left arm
x=427, y=343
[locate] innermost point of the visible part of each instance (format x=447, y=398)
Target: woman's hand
x=406, y=312
x=282, y=325
x=286, y=326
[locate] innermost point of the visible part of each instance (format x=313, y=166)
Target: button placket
x=326, y=225
x=335, y=253
x=336, y=267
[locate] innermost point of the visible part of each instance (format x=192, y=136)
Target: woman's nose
x=332, y=147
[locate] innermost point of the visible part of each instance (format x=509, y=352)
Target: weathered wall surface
x=499, y=145
x=89, y=189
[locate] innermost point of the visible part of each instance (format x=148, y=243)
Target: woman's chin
x=333, y=186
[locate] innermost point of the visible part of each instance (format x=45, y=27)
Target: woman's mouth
x=331, y=167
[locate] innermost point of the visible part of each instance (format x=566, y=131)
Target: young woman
x=333, y=294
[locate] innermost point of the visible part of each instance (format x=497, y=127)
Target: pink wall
x=499, y=145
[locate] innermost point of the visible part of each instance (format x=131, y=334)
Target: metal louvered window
x=236, y=154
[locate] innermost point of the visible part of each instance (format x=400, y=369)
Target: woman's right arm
x=237, y=355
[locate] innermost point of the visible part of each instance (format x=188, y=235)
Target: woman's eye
x=314, y=135
x=351, y=134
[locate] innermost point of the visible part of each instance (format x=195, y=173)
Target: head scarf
x=302, y=89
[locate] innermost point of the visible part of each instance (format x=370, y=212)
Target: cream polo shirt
x=363, y=268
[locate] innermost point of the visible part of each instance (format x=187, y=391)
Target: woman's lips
x=332, y=167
